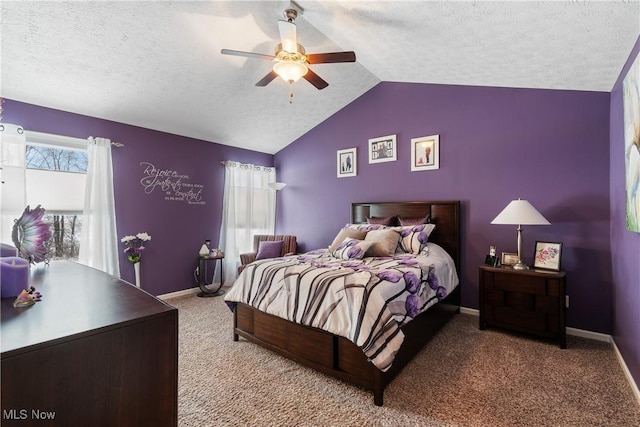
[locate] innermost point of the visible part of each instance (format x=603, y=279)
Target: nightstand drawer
x=526, y=301
x=524, y=284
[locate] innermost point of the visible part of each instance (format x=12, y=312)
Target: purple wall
x=497, y=144
x=177, y=229
x=625, y=245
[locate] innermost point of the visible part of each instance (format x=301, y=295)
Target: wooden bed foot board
x=336, y=373
x=333, y=355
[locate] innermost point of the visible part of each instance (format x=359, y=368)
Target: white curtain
x=249, y=208
x=99, y=238
x=13, y=194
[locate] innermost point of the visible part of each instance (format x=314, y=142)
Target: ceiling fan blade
x=315, y=80
x=267, y=79
x=331, y=57
x=246, y=54
x=288, y=36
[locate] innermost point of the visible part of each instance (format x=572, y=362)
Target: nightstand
x=528, y=301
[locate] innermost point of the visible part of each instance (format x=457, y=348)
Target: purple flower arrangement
x=134, y=246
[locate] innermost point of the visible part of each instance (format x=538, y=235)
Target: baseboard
x=590, y=335
x=570, y=331
x=627, y=373
x=179, y=293
x=471, y=311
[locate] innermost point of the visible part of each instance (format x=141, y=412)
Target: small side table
x=203, y=263
x=530, y=301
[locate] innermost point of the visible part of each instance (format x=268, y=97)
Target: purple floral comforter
x=366, y=301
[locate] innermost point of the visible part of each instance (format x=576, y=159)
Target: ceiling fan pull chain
x=291, y=93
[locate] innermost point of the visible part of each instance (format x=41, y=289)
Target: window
x=55, y=179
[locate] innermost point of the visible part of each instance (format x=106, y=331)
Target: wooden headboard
x=444, y=214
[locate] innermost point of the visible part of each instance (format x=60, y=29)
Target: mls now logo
x=15, y=414
x=23, y=414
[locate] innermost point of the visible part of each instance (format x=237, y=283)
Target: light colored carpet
x=463, y=377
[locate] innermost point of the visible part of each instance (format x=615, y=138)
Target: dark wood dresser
x=95, y=351
x=529, y=301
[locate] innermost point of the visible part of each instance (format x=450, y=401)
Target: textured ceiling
x=158, y=64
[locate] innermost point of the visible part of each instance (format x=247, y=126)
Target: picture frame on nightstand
x=509, y=258
x=547, y=255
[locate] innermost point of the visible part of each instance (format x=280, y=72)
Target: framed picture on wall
x=425, y=153
x=547, y=255
x=347, y=164
x=382, y=149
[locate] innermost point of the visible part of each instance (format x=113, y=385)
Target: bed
x=400, y=324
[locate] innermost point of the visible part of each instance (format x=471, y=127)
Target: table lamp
x=520, y=212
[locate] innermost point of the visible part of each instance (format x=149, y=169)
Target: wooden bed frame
x=339, y=357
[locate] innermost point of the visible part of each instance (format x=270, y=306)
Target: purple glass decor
x=30, y=234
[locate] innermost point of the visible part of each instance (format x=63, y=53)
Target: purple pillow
x=269, y=249
x=388, y=221
x=414, y=221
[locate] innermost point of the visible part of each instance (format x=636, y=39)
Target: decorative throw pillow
x=384, y=242
x=365, y=227
x=414, y=221
x=346, y=232
x=268, y=249
x=388, y=221
x=414, y=239
x=351, y=249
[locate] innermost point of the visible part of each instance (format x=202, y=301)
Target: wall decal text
x=175, y=186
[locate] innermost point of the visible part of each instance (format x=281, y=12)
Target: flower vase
x=136, y=268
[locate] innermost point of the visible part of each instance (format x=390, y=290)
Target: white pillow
x=414, y=238
x=366, y=227
x=351, y=249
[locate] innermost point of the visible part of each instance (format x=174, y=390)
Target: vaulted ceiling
x=157, y=64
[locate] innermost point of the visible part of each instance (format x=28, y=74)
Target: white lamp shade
x=520, y=212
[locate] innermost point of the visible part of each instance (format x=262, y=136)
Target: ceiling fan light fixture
x=290, y=71
x=290, y=62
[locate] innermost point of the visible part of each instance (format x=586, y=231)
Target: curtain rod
x=67, y=141
x=238, y=164
x=61, y=140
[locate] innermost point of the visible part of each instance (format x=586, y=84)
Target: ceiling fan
x=291, y=60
